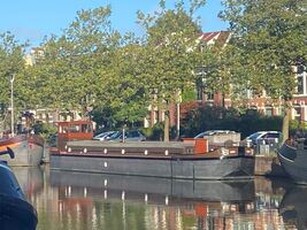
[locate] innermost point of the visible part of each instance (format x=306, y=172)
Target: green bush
x=44, y=129
x=211, y=118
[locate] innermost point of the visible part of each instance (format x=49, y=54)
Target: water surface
x=66, y=200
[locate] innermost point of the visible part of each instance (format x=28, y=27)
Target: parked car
x=104, y=136
x=212, y=133
x=221, y=137
x=262, y=137
x=130, y=135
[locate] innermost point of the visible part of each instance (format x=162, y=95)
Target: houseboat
x=187, y=159
x=28, y=149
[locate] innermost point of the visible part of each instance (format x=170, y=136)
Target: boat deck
x=143, y=149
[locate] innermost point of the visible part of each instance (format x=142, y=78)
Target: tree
x=268, y=38
x=72, y=71
x=11, y=66
x=170, y=54
x=126, y=91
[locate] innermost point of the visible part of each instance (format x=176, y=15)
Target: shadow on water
x=293, y=206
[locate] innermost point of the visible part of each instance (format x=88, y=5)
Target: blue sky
x=33, y=19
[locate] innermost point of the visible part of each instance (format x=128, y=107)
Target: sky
x=31, y=20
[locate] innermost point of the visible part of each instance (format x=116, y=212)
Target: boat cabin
x=74, y=130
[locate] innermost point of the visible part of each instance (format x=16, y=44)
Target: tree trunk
x=166, y=127
x=286, y=122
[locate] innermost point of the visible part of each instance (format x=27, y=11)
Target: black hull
x=177, y=167
x=294, y=162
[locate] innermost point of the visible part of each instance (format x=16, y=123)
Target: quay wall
x=268, y=166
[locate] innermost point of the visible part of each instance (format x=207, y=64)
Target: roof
x=210, y=38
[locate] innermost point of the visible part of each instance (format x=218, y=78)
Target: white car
x=213, y=132
x=263, y=137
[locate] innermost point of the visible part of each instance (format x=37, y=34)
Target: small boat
x=293, y=159
x=15, y=211
x=28, y=149
x=188, y=159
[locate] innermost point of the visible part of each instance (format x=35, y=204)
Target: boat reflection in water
x=293, y=207
x=210, y=201
x=30, y=180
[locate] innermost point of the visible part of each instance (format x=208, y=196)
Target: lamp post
x=179, y=100
x=12, y=78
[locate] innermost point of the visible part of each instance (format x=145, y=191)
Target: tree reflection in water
x=71, y=200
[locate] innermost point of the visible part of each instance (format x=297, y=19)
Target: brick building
x=261, y=103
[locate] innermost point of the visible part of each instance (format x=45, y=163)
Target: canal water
x=72, y=201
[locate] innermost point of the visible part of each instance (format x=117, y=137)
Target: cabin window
x=63, y=129
x=85, y=128
x=74, y=128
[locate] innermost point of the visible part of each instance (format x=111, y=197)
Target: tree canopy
x=91, y=66
x=268, y=40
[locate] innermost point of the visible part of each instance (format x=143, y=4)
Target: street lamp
x=12, y=78
x=179, y=100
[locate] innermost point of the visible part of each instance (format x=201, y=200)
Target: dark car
x=130, y=135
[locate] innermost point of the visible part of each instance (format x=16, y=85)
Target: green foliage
x=268, y=38
x=211, y=118
x=298, y=128
x=171, y=52
x=91, y=65
x=188, y=95
x=11, y=67
x=73, y=63
x=44, y=129
x=154, y=133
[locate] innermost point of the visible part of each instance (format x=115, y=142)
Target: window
x=301, y=80
x=297, y=113
x=210, y=96
x=249, y=94
x=271, y=135
x=300, y=84
x=269, y=111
